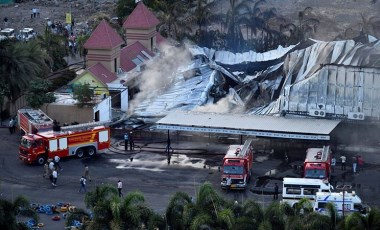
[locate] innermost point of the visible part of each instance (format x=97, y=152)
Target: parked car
x=7, y=33
x=27, y=34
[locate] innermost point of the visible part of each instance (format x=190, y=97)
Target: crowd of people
x=51, y=172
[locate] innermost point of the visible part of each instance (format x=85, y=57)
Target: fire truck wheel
x=80, y=153
x=91, y=151
x=41, y=160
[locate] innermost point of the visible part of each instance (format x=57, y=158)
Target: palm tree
x=113, y=212
x=20, y=63
x=304, y=29
x=250, y=216
x=208, y=212
x=99, y=202
x=356, y=220
x=56, y=47
x=236, y=15
x=177, y=210
x=173, y=17
x=10, y=211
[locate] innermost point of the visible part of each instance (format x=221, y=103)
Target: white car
x=27, y=34
x=7, y=33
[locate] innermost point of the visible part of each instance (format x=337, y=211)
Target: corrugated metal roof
x=250, y=122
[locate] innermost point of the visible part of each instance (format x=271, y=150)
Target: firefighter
x=131, y=142
x=126, y=137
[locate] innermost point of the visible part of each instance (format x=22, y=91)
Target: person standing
x=126, y=138
x=11, y=124
x=119, y=188
x=228, y=183
x=275, y=194
x=82, y=184
x=333, y=163
x=56, y=162
x=343, y=160
x=360, y=163
x=131, y=142
x=354, y=164
x=55, y=177
x=51, y=166
x=86, y=173
x=46, y=169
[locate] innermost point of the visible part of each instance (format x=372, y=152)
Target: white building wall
x=104, y=108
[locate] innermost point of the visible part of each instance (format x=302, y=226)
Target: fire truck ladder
x=85, y=126
x=325, y=152
x=246, y=146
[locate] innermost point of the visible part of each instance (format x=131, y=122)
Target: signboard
x=245, y=132
x=68, y=18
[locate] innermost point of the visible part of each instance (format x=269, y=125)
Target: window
x=315, y=173
x=53, y=145
x=63, y=143
x=322, y=205
x=347, y=207
x=236, y=170
x=296, y=191
x=103, y=136
x=310, y=191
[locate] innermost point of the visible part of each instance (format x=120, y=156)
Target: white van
x=352, y=202
x=295, y=189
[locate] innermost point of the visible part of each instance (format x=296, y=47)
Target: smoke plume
x=159, y=73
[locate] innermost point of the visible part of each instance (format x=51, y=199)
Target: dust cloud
x=159, y=73
x=224, y=105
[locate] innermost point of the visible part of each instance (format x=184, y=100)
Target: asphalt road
x=149, y=173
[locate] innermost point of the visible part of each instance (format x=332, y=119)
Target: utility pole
x=344, y=188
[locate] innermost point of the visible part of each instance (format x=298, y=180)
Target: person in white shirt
x=55, y=177
x=56, y=162
x=119, y=188
x=51, y=165
x=82, y=184
x=343, y=159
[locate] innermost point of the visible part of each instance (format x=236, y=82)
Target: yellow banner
x=68, y=18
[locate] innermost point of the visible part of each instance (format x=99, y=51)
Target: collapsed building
x=314, y=79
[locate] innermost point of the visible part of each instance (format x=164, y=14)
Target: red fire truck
x=33, y=121
x=75, y=140
x=237, y=164
x=318, y=163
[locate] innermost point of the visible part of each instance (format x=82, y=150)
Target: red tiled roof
x=103, y=37
x=102, y=73
x=141, y=18
x=127, y=54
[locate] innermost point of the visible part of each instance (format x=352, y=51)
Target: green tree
x=4, y=92
x=56, y=47
x=125, y=7
x=20, y=63
x=174, y=19
x=250, y=216
x=113, y=212
x=179, y=207
x=10, y=211
x=84, y=94
x=38, y=93
x=356, y=220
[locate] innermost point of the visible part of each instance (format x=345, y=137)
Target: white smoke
x=224, y=105
x=159, y=73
